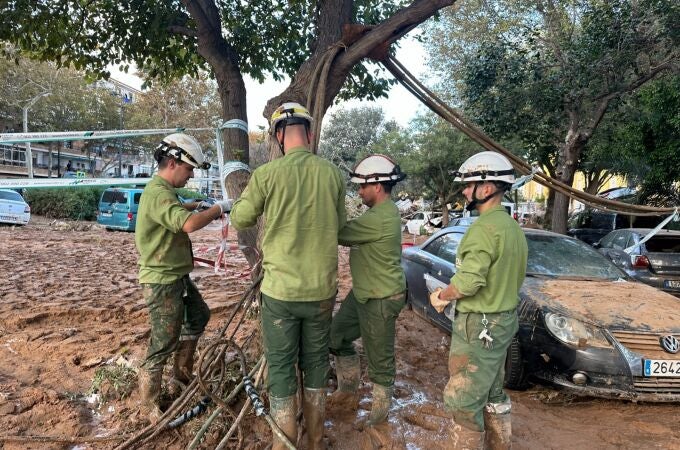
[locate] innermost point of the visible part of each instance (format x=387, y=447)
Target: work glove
x=225, y=205
x=203, y=205
x=437, y=303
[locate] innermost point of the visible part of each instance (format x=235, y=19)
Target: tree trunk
x=232, y=90
x=445, y=210
x=566, y=168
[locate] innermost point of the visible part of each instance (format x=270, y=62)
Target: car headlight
x=574, y=332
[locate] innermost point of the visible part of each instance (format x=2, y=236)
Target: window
x=136, y=198
x=665, y=244
x=11, y=195
x=114, y=197
x=445, y=246
x=620, y=241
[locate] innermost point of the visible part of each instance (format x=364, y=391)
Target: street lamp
x=29, y=153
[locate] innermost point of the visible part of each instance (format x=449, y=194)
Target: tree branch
x=184, y=31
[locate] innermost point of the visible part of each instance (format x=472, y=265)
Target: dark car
x=655, y=262
x=591, y=225
x=584, y=324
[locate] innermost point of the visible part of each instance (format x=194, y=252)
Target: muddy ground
x=70, y=305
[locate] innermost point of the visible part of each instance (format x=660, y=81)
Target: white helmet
x=376, y=169
x=182, y=147
x=486, y=166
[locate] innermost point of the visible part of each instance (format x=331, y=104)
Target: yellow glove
x=437, y=303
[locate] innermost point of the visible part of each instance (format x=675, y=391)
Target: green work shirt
x=491, y=262
x=164, y=249
x=375, y=257
x=302, y=197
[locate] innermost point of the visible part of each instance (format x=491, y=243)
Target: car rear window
x=663, y=244
x=564, y=257
x=114, y=197
x=11, y=195
x=136, y=198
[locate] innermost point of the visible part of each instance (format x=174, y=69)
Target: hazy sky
x=401, y=105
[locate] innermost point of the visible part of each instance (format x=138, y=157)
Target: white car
x=13, y=208
x=427, y=219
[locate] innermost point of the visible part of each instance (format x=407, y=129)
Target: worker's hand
x=225, y=205
x=203, y=205
x=437, y=303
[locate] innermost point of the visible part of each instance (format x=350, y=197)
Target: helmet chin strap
x=480, y=201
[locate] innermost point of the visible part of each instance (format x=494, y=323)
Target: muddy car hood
x=621, y=305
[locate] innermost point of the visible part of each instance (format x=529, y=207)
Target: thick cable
x=438, y=106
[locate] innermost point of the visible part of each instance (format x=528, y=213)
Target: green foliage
x=265, y=38
x=647, y=138
x=350, y=134
x=114, y=382
x=428, y=152
x=65, y=203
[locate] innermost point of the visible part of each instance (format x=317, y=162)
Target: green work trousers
x=476, y=373
x=176, y=312
x=373, y=322
x=296, y=333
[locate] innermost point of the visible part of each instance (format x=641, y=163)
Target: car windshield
x=11, y=195
x=558, y=256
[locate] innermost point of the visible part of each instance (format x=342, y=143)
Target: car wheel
x=515, y=370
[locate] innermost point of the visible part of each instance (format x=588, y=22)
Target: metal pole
x=28, y=153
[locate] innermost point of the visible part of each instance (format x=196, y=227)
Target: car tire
x=515, y=369
x=407, y=304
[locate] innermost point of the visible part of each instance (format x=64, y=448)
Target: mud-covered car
x=655, y=262
x=584, y=324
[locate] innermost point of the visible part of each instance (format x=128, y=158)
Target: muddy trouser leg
x=377, y=318
x=166, y=310
x=475, y=371
x=497, y=423
x=315, y=367
x=344, y=331
x=196, y=317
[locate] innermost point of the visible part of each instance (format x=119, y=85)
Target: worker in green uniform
x=371, y=308
x=177, y=312
x=491, y=263
x=302, y=198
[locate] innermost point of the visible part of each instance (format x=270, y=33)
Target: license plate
x=106, y=214
x=672, y=284
x=662, y=368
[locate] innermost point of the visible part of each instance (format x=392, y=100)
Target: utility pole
x=29, y=153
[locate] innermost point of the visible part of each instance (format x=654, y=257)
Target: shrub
x=65, y=203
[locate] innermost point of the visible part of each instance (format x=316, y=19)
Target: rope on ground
x=180, y=404
x=437, y=105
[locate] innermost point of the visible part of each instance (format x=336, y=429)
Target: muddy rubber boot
x=314, y=411
x=466, y=439
x=284, y=412
x=183, y=367
x=382, y=401
x=498, y=428
x=149, y=392
x=348, y=372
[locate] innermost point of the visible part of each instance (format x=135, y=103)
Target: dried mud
x=70, y=303
x=613, y=303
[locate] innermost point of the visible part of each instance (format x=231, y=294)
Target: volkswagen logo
x=670, y=344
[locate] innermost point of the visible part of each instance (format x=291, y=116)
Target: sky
x=400, y=105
